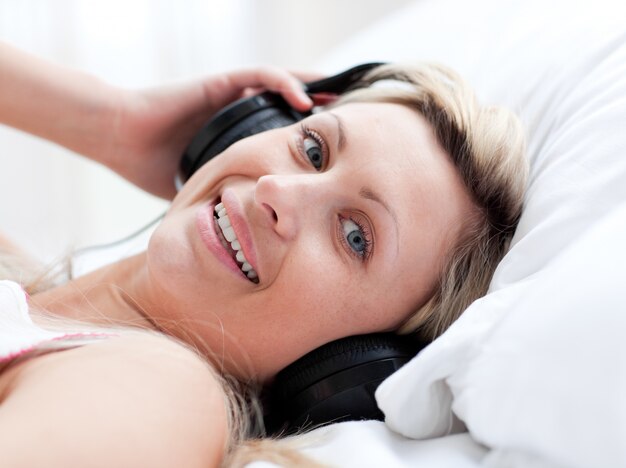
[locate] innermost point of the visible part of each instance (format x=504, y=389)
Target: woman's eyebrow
x=341, y=141
x=369, y=194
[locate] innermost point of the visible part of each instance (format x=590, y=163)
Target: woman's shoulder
x=139, y=399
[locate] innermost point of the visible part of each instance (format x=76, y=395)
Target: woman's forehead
x=392, y=129
x=390, y=145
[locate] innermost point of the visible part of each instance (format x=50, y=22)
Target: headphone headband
x=341, y=82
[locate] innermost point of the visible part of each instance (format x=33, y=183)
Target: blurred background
x=53, y=201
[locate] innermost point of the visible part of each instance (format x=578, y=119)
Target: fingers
x=274, y=79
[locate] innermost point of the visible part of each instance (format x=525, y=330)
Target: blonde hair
x=487, y=146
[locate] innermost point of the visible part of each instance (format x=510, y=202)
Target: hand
x=148, y=131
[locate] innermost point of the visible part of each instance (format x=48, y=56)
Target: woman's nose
x=288, y=200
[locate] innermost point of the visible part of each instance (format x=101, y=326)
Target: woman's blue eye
x=314, y=152
x=355, y=237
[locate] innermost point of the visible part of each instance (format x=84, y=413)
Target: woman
x=396, y=199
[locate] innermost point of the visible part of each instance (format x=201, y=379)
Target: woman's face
x=345, y=220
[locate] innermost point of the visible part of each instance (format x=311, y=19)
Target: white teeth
x=240, y=257
x=229, y=234
x=224, y=222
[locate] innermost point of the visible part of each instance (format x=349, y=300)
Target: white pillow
x=536, y=369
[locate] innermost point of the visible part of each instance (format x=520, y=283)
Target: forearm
x=57, y=103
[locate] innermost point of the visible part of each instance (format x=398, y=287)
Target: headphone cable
x=91, y=248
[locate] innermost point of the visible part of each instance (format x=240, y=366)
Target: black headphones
x=337, y=381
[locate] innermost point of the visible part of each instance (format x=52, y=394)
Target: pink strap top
x=20, y=336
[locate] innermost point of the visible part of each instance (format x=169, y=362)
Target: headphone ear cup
x=255, y=114
x=335, y=382
x=261, y=121
x=241, y=119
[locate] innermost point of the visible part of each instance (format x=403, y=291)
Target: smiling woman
x=381, y=213
x=386, y=211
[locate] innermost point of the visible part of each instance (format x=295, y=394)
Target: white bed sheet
x=372, y=444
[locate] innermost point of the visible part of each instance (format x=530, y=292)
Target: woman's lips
x=242, y=231
x=205, y=223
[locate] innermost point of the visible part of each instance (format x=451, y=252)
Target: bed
x=533, y=374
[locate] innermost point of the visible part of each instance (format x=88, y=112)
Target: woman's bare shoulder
x=134, y=400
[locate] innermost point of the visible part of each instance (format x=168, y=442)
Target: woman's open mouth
x=228, y=238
